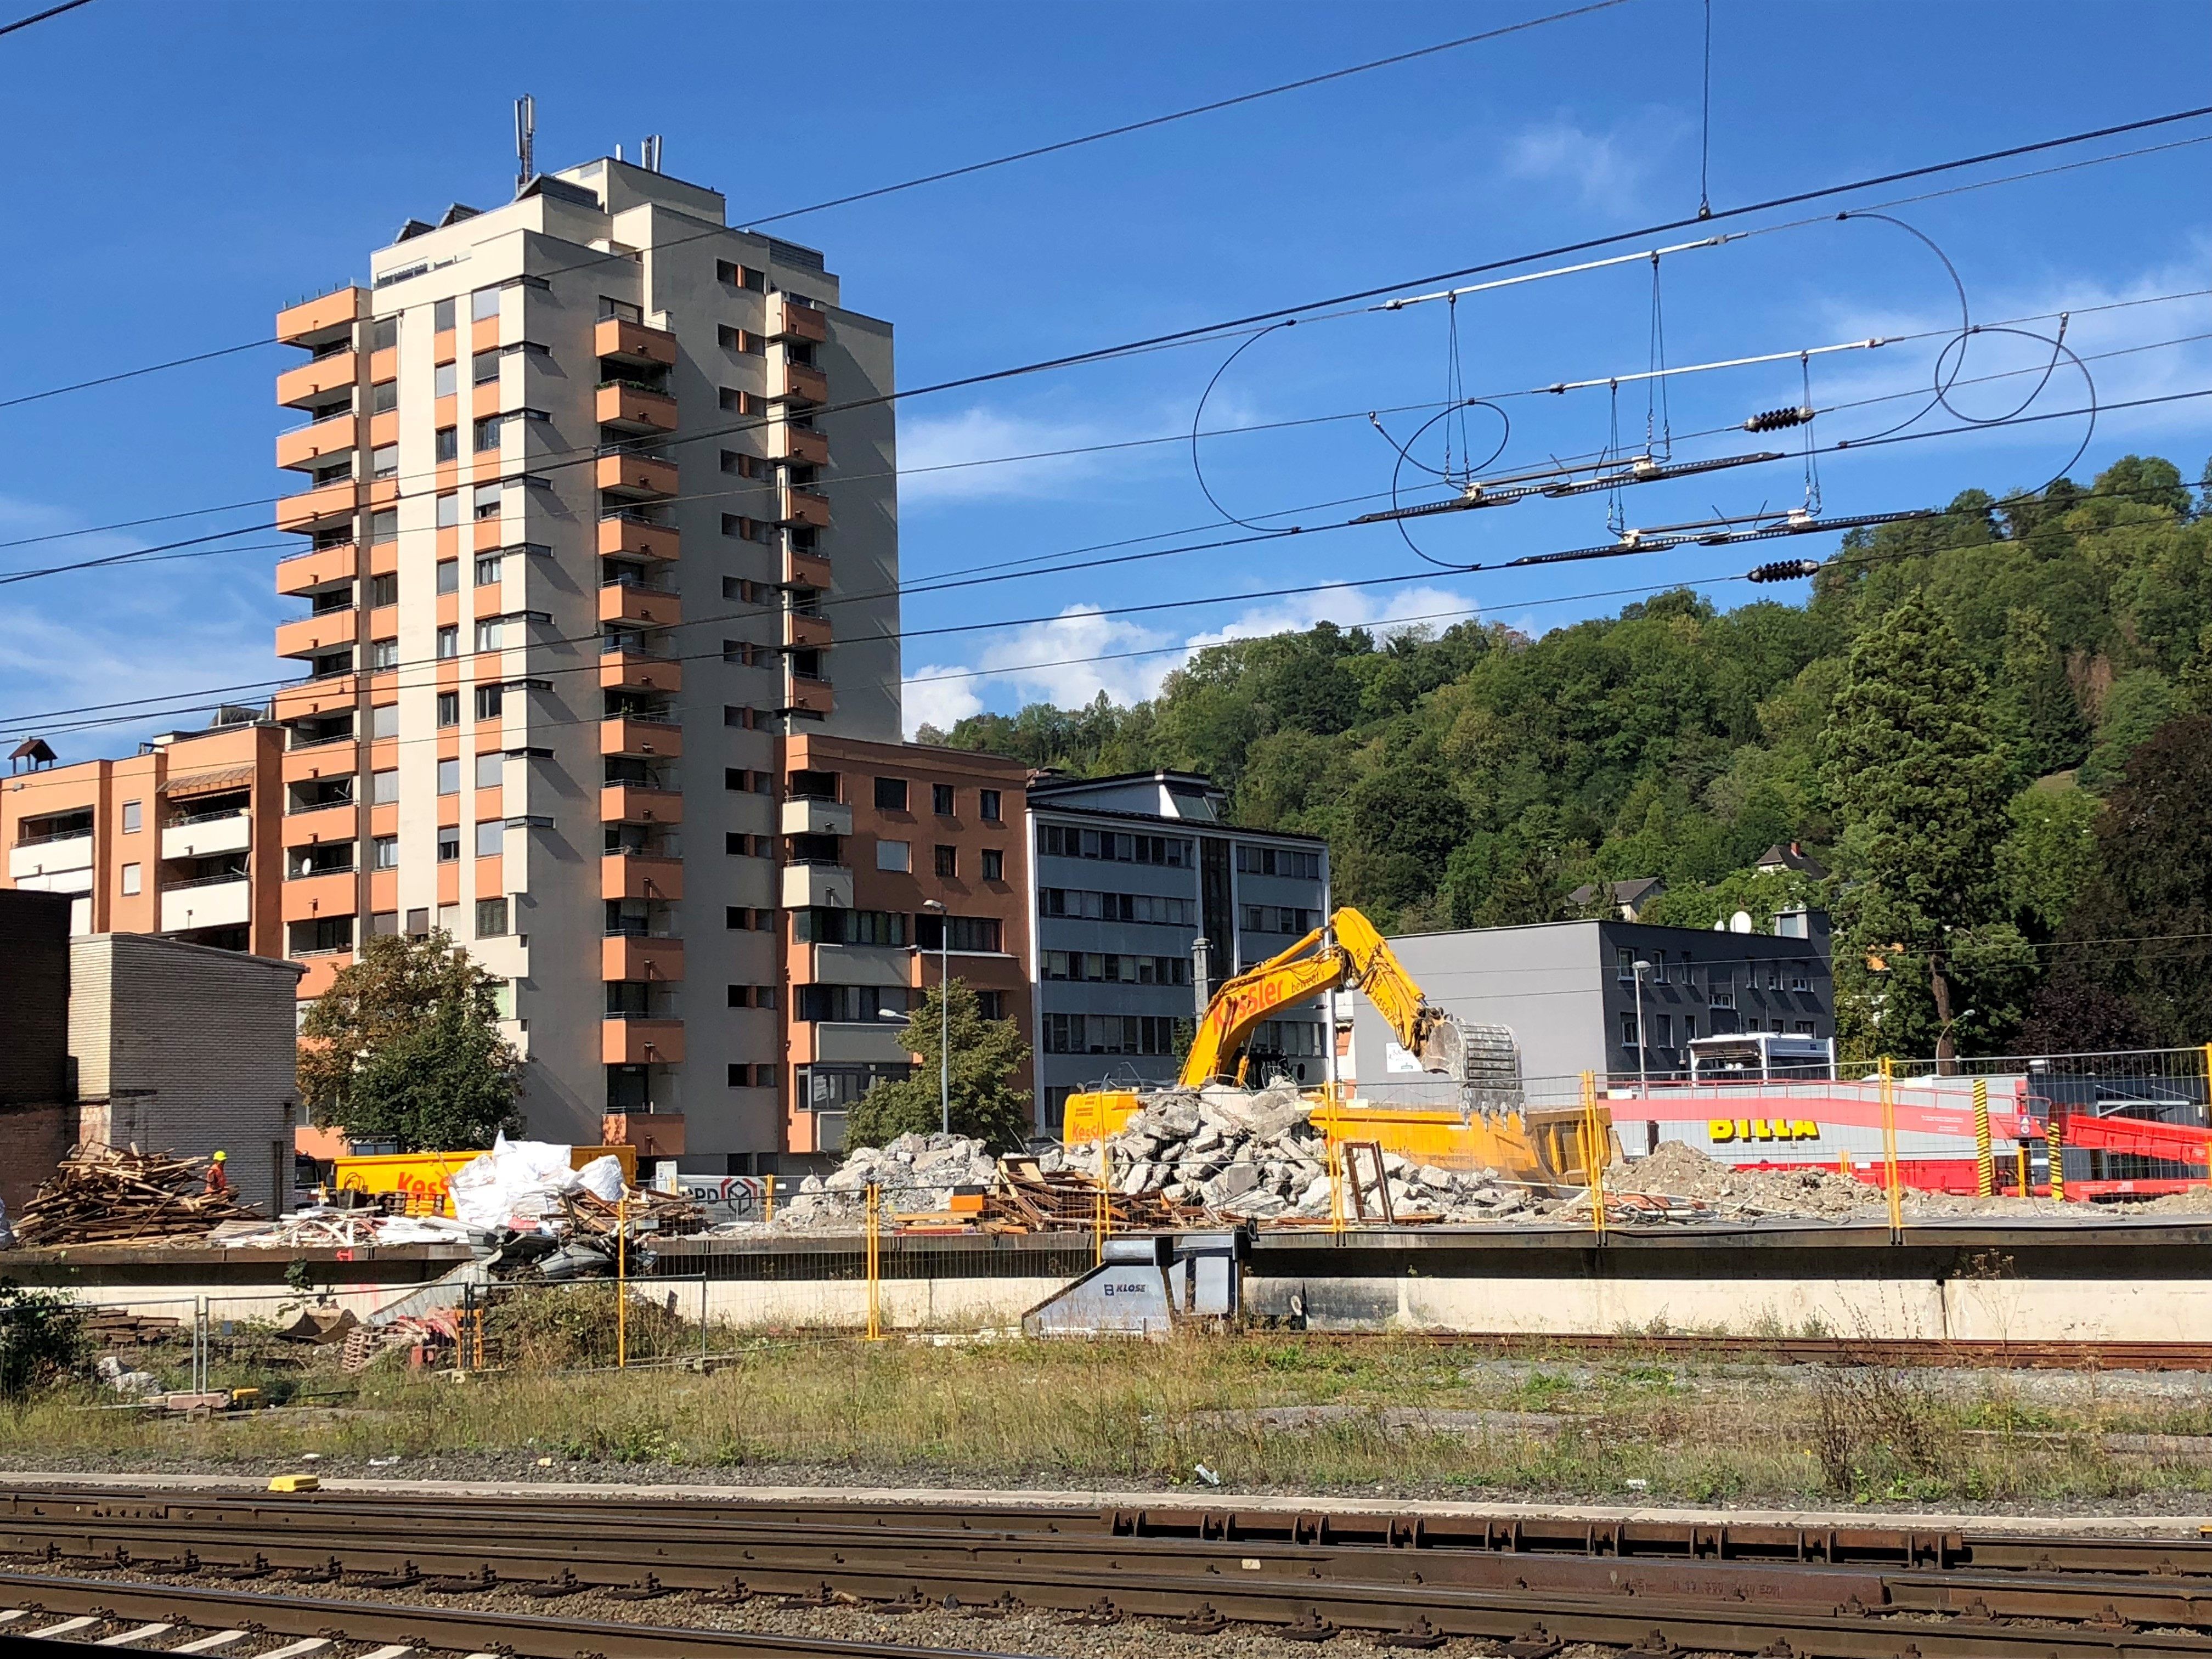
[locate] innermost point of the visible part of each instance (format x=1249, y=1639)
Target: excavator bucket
x=1443, y=1048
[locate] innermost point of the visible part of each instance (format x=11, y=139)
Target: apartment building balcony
x=50, y=854
x=328, y=507
x=641, y=876
x=646, y=739
x=623, y=533
x=212, y=902
x=818, y=886
x=327, y=694
x=804, y=632
x=799, y=383
x=792, y=319
x=654, y=1134
x=321, y=757
x=642, y=1041
x=326, y=318
x=634, y=477
x=633, y=668
x=319, y=443
x=642, y=607
x=333, y=821
x=317, y=567
x=637, y=345
x=641, y=956
x=311, y=636
x=804, y=696
x=800, y=816
x=319, y=896
x=803, y=506
x=634, y=406
x=635, y=803
x=230, y=831
x=317, y=378
x=797, y=445
x=804, y=569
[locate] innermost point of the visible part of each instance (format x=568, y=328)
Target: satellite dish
x=1740, y=923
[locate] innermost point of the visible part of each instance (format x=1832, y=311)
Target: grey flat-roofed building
x=1128, y=871
x=1567, y=991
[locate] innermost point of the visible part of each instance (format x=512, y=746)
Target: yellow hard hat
x=223, y=1157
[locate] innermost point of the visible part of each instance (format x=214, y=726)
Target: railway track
x=1653, y=1586
x=1978, y=1354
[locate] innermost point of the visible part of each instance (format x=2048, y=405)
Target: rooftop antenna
x=526, y=141
x=648, y=152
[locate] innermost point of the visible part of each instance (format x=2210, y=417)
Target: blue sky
x=183, y=169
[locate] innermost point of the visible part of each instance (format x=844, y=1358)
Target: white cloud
x=1607, y=169
x=943, y=458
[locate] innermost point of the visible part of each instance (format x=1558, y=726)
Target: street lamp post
x=1643, y=1077
x=943, y=1013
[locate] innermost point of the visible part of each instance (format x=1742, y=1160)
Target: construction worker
x=217, y=1180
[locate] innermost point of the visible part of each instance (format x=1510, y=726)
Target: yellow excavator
x=1488, y=1131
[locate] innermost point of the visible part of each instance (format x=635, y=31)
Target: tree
x=1920, y=780
x=986, y=1055
x=405, y=1046
x=2049, y=856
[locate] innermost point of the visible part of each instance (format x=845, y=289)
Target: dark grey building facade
x=1129, y=873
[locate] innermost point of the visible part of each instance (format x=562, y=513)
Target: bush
x=42, y=1338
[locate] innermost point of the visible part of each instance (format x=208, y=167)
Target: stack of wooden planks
x=108, y=1328
x=1026, y=1198
x=120, y=1196
x=648, y=1210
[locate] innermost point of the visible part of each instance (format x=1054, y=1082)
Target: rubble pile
x=119, y=1195
x=1682, y=1171
x=914, y=1172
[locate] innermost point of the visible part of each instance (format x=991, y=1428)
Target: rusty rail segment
x=1972, y=1353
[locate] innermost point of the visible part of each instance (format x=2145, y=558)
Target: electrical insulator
x=1786, y=570
x=1774, y=420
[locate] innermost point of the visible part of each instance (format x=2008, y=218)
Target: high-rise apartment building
x=588, y=535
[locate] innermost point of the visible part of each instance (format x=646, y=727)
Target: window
x=491, y=838
x=383, y=924
x=384, y=654
x=1662, y=1030
x=384, y=396
x=1689, y=1028
x=986, y=805
x=1109, y=1034
x=384, y=334
x=489, y=632
x=384, y=461
x=1628, y=1031
x=1277, y=861
x=1720, y=987
x=1071, y=843
x=850, y=1003
x=890, y=796
x=485, y=502
x=382, y=591
x=445, y=379
x=449, y=703
x=948, y=861
x=490, y=700
x=736, y=777
x=995, y=865
x=486, y=434
x=384, y=787
x=449, y=776
x=991, y=1005
x=133, y=878
x=1279, y=919
x=483, y=305
x=940, y=799
x=1624, y=964
x=384, y=527
x=1802, y=1028
x=449, y=576
x=752, y=996
x=384, y=852
x=491, y=767
x=449, y=510
x=483, y=368
x=133, y=817
x=733, y=715
x=449, y=645
x=384, y=721
x=971, y=933
x=741, y=846
x=1114, y=906
x=897, y=855
x=449, y=443
x=418, y=923
x=824, y=926
x=1773, y=976
x=749, y=920
x=449, y=843
x=324, y=934
x=1801, y=982
x=491, y=918
x=737, y=275
x=442, y=317
x=488, y=570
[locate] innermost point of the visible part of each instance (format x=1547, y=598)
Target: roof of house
x=1634, y=891
x=1788, y=855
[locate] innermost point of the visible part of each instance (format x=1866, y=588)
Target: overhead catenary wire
x=41, y=16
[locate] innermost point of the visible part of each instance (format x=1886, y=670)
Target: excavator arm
x=1350, y=951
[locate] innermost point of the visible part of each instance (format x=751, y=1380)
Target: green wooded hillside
x=1477, y=776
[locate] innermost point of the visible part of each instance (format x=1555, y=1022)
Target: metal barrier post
x=1335, y=1183
x=1593, y=1156
x=2054, y=1146
x=622, y=1282
x=1986, y=1163
x=2020, y=1155
x=1889, y=1170
x=875, y=1263
x=1102, y=1211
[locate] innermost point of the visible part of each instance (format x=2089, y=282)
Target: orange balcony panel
x=808, y=696
x=312, y=379
x=384, y=622
x=636, y=409
x=632, y=671
x=640, y=738
x=789, y=320
x=802, y=385
x=324, y=824
x=323, y=696
x=486, y=535
x=384, y=890
x=652, y=1134
x=316, y=509
x=484, y=401
x=628, y=956
x=800, y=445
x=804, y=569
x=623, y=341
x=629, y=803
x=337, y=757
x=449, y=883
x=384, y=365
x=306, y=445
x=384, y=558
x=318, y=568
x=642, y=1043
x=803, y=506
x=322, y=316
x=383, y=492
x=638, y=478
x=644, y=541
x=483, y=334
x=649, y=607
x=311, y=897
x=322, y=968
x=384, y=429
x=807, y=632
x=311, y=634
x=640, y=876
x=384, y=820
